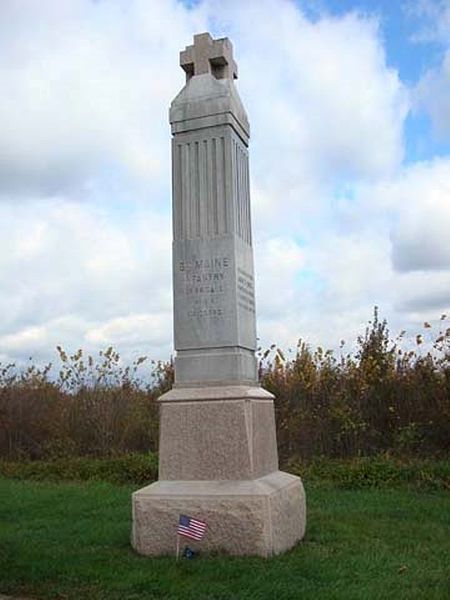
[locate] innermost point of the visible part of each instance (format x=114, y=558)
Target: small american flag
x=191, y=528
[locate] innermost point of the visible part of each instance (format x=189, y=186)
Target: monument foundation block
x=264, y=516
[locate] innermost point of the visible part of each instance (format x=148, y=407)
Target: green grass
x=71, y=541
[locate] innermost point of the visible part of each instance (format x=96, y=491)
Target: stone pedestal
x=218, y=458
x=218, y=463
x=261, y=517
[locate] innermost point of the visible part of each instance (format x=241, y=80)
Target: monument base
x=262, y=517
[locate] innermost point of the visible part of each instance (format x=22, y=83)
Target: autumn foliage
x=381, y=398
x=378, y=399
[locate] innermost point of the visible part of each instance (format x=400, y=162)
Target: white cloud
x=70, y=263
x=433, y=20
x=136, y=330
x=418, y=200
x=321, y=86
x=87, y=86
x=387, y=245
x=279, y=261
x=433, y=92
x=85, y=173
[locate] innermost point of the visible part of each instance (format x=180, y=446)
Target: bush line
x=142, y=469
x=382, y=398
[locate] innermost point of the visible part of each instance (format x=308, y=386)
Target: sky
x=349, y=106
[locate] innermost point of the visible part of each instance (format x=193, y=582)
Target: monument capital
x=206, y=55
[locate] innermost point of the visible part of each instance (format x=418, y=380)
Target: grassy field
x=71, y=541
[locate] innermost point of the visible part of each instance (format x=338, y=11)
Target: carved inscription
x=246, y=291
x=205, y=281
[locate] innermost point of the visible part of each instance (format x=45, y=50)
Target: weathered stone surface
x=263, y=439
x=219, y=392
x=222, y=366
x=262, y=517
x=206, y=102
x=214, y=296
x=217, y=438
x=209, y=56
x=209, y=281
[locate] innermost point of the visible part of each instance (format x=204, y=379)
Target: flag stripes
x=191, y=528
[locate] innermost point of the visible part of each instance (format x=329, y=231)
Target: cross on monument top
x=209, y=56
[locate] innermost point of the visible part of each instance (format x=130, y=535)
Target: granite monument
x=218, y=456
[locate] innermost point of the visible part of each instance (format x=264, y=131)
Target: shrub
x=92, y=408
x=378, y=471
x=142, y=469
x=127, y=468
x=380, y=399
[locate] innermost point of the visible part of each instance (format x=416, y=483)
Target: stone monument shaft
x=214, y=303
x=218, y=459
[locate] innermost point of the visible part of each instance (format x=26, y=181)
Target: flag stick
x=178, y=547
